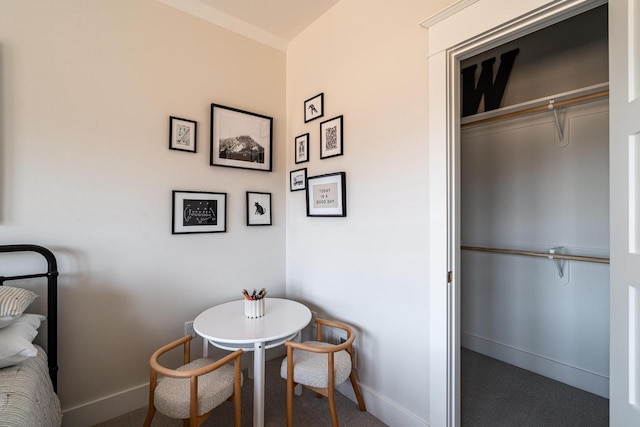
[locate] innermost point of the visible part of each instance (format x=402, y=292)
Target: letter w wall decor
x=492, y=90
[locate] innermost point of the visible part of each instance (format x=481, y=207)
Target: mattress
x=27, y=398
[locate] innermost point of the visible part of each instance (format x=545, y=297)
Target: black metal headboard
x=52, y=301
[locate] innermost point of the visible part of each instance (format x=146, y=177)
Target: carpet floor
x=308, y=410
x=494, y=394
x=497, y=394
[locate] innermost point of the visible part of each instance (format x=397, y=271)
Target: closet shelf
x=537, y=254
x=549, y=103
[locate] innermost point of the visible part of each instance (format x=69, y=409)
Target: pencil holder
x=254, y=308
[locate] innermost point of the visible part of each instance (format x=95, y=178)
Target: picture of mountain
x=243, y=148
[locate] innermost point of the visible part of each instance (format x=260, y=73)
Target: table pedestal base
x=258, y=384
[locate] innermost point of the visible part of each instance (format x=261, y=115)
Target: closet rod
x=536, y=254
x=550, y=105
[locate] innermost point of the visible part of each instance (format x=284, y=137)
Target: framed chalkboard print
x=182, y=134
x=240, y=139
x=327, y=195
x=314, y=108
x=331, y=138
x=302, y=148
x=258, y=208
x=198, y=212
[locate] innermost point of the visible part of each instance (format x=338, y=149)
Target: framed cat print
x=258, y=208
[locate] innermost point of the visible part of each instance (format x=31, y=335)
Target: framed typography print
x=240, y=139
x=314, y=108
x=198, y=212
x=327, y=195
x=298, y=179
x=182, y=134
x=258, y=208
x=302, y=148
x=331, y=138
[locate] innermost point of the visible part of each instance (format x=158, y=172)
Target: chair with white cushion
x=193, y=391
x=320, y=366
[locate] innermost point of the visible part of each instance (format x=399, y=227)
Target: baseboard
x=571, y=375
x=101, y=410
x=382, y=408
x=110, y=407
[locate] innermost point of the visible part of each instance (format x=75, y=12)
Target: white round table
x=225, y=326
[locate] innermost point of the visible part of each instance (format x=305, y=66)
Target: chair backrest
x=351, y=336
x=331, y=357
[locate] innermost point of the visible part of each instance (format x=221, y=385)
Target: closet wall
x=525, y=187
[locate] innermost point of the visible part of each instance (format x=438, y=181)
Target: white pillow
x=7, y=320
x=15, y=340
x=13, y=301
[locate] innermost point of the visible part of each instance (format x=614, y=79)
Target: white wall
x=86, y=91
x=368, y=269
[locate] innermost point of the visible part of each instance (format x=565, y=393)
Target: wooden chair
x=320, y=366
x=193, y=391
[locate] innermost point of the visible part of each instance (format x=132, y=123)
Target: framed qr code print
x=331, y=138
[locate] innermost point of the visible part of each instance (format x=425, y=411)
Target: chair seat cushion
x=312, y=368
x=172, y=394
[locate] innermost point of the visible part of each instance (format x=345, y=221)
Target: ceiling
x=273, y=22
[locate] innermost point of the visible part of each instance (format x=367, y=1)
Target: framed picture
x=314, y=108
x=182, y=134
x=198, y=212
x=327, y=195
x=331, y=138
x=258, y=208
x=298, y=179
x=302, y=148
x=240, y=139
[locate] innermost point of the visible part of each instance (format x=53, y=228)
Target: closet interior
x=534, y=205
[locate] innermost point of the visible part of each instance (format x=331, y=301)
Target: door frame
x=466, y=29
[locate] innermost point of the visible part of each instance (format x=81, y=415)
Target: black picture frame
x=331, y=138
x=241, y=139
x=301, y=148
x=327, y=195
x=298, y=179
x=258, y=208
x=198, y=212
x=314, y=108
x=182, y=134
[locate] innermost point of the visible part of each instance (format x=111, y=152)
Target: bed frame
x=52, y=301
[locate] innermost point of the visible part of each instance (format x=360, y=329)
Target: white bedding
x=26, y=395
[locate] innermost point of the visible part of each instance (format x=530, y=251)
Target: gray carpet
x=308, y=410
x=501, y=395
